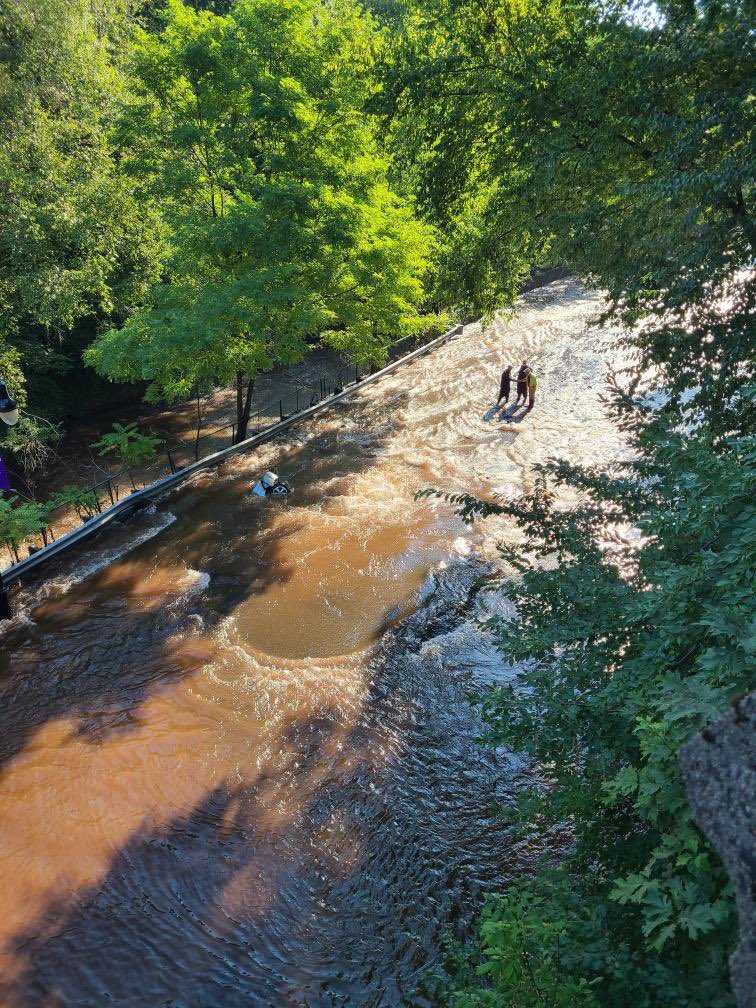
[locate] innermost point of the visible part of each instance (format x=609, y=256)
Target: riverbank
x=299, y=387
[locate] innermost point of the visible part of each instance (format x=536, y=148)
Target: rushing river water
x=237, y=766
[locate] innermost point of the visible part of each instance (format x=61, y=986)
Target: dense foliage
x=569, y=130
x=76, y=247
x=198, y=190
x=624, y=147
x=128, y=444
x=249, y=128
x=626, y=653
x=18, y=521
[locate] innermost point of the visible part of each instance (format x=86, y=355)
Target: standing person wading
x=506, y=385
x=522, y=389
x=532, y=384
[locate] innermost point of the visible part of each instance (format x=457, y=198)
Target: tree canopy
x=75, y=244
x=618, y=139
x=249, y=128
x=615, y=137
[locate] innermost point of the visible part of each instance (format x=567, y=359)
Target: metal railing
x=181, y=458
x=176, y=456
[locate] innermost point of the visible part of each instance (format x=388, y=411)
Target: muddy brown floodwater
x=237, y=766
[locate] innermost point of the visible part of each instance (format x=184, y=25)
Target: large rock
x=719, y=765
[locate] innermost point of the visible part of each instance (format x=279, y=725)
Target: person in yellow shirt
x=532, y=384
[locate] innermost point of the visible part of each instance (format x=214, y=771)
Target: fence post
x=110, y=494
x=297, y=409
x=5, y=609
x=280, y=409
x=170, y=461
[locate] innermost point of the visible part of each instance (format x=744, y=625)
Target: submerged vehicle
x=270, y=485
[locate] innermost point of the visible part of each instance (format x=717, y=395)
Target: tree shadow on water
x=226, y=904
x=99, y=651
x=175, y=921
x=325, y=873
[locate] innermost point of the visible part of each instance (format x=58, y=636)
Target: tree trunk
x=199, y=426
x=243, y=404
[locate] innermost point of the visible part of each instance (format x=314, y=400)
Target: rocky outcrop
x=719, y=766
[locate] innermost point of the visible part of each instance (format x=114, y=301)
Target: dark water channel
x=237, y=767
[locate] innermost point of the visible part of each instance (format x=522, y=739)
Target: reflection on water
x=236, y=763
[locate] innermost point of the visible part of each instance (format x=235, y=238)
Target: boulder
x=719, y=766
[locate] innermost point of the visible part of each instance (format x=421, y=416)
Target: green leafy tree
x=629, y=655
x=250, y=129
x=84, y=501
x=523, y=957
x=621, y=144
x=592, y=134
x=19, y=522
x=76, y=248
x=126, y=441
x=31, y=443
x=11, y=372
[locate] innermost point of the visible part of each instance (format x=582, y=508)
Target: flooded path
x=237, y=766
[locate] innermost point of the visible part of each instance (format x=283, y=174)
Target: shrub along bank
x=616, y=138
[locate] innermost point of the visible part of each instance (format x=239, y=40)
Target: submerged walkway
x=237, y=762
